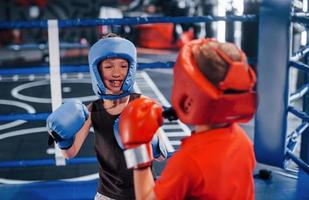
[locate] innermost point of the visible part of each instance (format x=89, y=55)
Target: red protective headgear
x=197, y=101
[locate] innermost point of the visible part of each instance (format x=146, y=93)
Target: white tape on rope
x=55, y=78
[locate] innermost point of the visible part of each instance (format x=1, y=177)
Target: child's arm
x=81, y=135
x=69, y=125
x=143, y=184
x=79, y=140
x=138, y=124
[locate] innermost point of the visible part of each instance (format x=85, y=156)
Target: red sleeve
x=177, y=178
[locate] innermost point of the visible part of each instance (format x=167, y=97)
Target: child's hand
x=138, y=123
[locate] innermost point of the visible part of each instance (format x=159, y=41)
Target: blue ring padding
x=126, y=21
x=44, y=70
x=52, y=162
x=27, y=117
x=83, y=68
x=29, y=70
x=63, y=45
x=46, y=162
x=300, y=66
x=75, y=68
x=152, y=20
x=155, y=65
x=299, y=114
x=298, y=161
x=24, y=24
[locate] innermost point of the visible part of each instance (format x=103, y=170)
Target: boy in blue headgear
x=112, y=63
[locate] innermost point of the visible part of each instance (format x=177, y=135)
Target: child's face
x=113, y=71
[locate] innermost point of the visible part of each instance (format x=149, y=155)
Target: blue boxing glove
x=116, y=133
x=158, y=148
x=65, y=122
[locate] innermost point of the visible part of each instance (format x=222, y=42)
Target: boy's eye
x=124, y=66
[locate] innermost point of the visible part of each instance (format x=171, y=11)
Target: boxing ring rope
x=76, y=68
x=300, y=66
x=297, y=63
x=300, y=17
x=300, y=93
x=44, y=69
x=63, y=45
x=46, y=162
x=53, y=26
x=125, y=21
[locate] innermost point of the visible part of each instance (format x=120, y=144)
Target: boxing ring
x=42, y=172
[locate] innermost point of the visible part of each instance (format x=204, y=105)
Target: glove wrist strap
x=138, y=156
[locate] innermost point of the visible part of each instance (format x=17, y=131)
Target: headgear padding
x=197, y=101
x=113, y=47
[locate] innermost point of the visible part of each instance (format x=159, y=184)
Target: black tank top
x=116, y=181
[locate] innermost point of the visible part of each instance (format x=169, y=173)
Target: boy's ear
x=186, y=103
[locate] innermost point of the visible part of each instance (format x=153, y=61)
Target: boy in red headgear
x=212, y=90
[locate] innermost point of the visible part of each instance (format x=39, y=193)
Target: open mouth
x=116, y=83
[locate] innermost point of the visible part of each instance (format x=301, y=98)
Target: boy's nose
x=116, y=72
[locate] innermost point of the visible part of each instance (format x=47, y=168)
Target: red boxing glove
x=138, y=123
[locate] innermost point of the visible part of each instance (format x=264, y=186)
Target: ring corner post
x=272, y=82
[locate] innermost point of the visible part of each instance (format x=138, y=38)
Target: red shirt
x=215, y=164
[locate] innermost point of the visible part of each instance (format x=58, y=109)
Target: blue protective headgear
x=113, y=47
